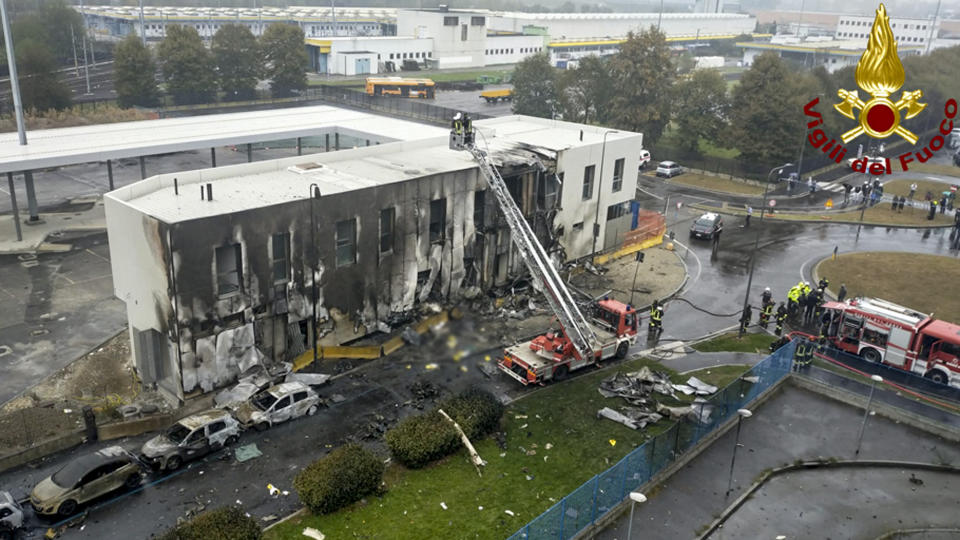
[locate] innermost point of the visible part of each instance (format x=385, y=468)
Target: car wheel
x=622, y=349
x=561, y=372
x=173, y=463
x=870, y=355
x=262, y=426
x=312, y=410
x=132, y=481
x=67, y=508
x=937, y=376
x=231, y=440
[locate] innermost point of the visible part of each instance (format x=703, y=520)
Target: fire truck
x=608, y=329
x=884, y=332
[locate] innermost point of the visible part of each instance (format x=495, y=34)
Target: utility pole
x=333, y=16
x=933, y=25
x=660, y=17
x=83, y=41
x=73, y=41
x=14, y=81
x=143, y=28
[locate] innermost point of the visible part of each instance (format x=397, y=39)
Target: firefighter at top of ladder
x=461, y=132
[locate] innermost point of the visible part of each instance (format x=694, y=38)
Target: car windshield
x=72, y=472
x=177, y=433
x=704, y=222
x=264, y=400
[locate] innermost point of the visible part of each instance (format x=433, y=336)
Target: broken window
x=616, y=210
x=479, y=199
x=588, y=182
x=216, y=427
x=618, y=175
x=281, y=257
x=438, y=219
x=387, y=216
x=551, y=187
x=346, y=242
x=578, y=226
x=229, y=264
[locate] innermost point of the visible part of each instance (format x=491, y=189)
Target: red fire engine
x=881, y=331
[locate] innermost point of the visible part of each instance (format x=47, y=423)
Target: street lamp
x=635, y=497
x=756, y=242
x=866, y=412
x=314, y=195
x=596, y=215
x=741, y=413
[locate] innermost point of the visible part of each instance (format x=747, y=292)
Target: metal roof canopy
x=69, y=146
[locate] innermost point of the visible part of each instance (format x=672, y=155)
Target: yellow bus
x=398, y=86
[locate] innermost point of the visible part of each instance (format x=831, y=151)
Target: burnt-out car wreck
x=219, y=267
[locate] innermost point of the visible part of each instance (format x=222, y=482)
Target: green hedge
x=227, y=523
x=341, y=478
x=424, y=438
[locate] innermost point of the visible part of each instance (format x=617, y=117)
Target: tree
x=135, y=74
x=39, y=86
x=700, y=108
x=50, y=24
x=642, y=75
x=236, y=54
x=585, y=92
x=766, y=118
x=286, y=59
x=187, y=66
x=535, y=87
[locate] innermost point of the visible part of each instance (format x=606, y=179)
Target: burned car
x=84, y=479
x=191, y=438
x=278, y=404
x=11, y=516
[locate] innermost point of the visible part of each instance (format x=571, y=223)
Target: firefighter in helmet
x=656, y=320
x=781, y=317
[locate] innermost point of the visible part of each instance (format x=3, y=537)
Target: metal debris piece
x=686, y=389
x=411, y=336
x=674, y=412
x=636, y=387
x=752, y=379
x=632, y=417
x=337, y=398
x=247, y=452
x=311, y=379
x=310, y=532
x=703, y=389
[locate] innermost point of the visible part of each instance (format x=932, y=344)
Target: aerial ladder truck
x=579, y=341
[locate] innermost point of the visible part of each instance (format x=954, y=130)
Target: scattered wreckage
x=191, y=438
x=11, y=516
x=637, y=389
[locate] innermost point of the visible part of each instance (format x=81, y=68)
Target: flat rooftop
x=85, y=144
x=845, y=47
x=266, y=183
x=299, y=13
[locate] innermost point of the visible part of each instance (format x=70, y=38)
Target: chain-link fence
x=599, y=495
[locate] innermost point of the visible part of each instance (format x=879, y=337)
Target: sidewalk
x=86, y=218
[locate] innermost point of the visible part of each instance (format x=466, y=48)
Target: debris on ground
x=247, y=452
x=636, y=387
x=632, y=417
x=423, y=391
x=338, y=398
x=674, y=413
x=703, y=389
x=343, y=366
x=310, y=379
x=410, y=336
x=310, y=532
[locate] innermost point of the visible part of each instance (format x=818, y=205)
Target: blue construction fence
x=602, y=493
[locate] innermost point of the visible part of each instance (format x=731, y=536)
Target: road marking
x=699, y=267
x=649, y=193
x=97, y=255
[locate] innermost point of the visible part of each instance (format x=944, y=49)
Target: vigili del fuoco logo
x=880, y=74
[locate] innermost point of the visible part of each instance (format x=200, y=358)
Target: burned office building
x=219, y=267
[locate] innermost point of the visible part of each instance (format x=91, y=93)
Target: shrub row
x=227, y=523
x=419, y=440
x=343, y=477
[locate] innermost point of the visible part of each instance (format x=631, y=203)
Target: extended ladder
x=572, y=321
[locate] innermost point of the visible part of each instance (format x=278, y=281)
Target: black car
x=706, y=226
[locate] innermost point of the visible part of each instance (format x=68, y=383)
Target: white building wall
x=511, y=49
x=385, y=49
x=578, y=215
x=458, y=36
x=562, y=26
x=905, y=31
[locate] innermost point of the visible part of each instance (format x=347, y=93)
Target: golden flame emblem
x=880, y=74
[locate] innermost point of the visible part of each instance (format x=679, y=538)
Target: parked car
x=644, y=159
x=277, y=404
x=668, y=169
x=11, y=516
x=707, y=226
x=191, y=438
x=84, y=479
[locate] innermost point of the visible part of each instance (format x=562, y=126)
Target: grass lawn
x=561, y=415
x=902, y=187
x=716, y=183
x=922, y=282
x=880, y=214
x=750, y=343
x=931, y=168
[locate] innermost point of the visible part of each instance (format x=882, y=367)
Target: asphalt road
x=470, y=101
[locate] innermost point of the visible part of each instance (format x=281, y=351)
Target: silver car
x=277, y=404
x=191, y=438
x=11, y=516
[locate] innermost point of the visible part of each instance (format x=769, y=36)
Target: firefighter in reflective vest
x=800, y=354
x=767, y=296
x=781, y=317
x=793, y=299
x=656, y=319
x=765, y=313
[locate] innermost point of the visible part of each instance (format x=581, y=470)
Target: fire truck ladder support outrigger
x=571, y=320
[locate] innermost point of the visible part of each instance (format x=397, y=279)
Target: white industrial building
x=811, y=52
x=217, y=267
x=116, y=22
x=906, y=31
x=593, y=26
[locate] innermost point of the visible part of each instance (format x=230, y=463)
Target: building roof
x=651, y=16
x=83, y=144
x=260, y=184
x=847, y=47
x=298, y=13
